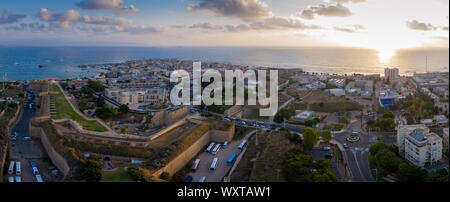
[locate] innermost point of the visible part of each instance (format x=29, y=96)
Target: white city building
x=391, y=74
x=423, y=148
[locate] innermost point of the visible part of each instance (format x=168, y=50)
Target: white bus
x=18, y=170
x=11, y=168
x=202, y=179
x=195, y=166
x=214, y=164
x=39, y=178
x=242, y=145
x=18, y=179
x=216, y=149
x=210, y=147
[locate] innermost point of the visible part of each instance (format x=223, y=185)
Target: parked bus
x=231, y=159
x=242, y=145
x=18, y=170
x=195, y=166
x=202, y=179
x=18, y=179
x=35, y=169
x=188, y=179
x=214, y=164
x=225, y=145
x=39, y=178
x=11, y=168
x=216, y=149
x=210, y=147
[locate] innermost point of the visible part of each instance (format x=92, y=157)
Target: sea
x=22, y=63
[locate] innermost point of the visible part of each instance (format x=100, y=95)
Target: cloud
x=351, y=29
x=281, y=23
x=206, y=26
x=7, y=17
x=73, y=20
x=101, y=20
x=247, y=10
x=272, y=23
x=117, y=5
x=63, y=20
x=349, y=1
x=127, y=10
x=416, y=25
x=32, y=27
x=337, y=10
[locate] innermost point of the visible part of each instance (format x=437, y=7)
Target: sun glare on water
x=385, y=55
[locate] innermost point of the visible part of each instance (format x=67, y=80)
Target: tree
x=104, y=113
x=324, y=176
x=409, y=173
x=377, y=147
x=165, y=176
x=96, y=86
x=91, y=171
x=310, y=137
x=326, y=136
x=100, y=102
x=388, y=161
x=133, y=171
x=124, y=109
x=389, y=114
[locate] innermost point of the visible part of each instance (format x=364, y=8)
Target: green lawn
x=119, y=175
x=64, y=111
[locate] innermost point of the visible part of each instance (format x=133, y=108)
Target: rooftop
x=418, y=136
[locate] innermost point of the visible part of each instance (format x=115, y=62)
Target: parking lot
x=221, y=168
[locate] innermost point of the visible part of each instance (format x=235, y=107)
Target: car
x=345, y=146
x=27, y=138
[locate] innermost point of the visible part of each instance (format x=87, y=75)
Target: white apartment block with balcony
x=403, y=130
x=423, y=148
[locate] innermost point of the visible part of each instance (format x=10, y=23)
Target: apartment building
x=391, y=74
x=404, y=130
x=423, y=148
x=137, y=95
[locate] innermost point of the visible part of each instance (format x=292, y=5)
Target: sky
x=383, y=25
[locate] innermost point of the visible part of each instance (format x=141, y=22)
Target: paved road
x=357, y=154
x=25, y=150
